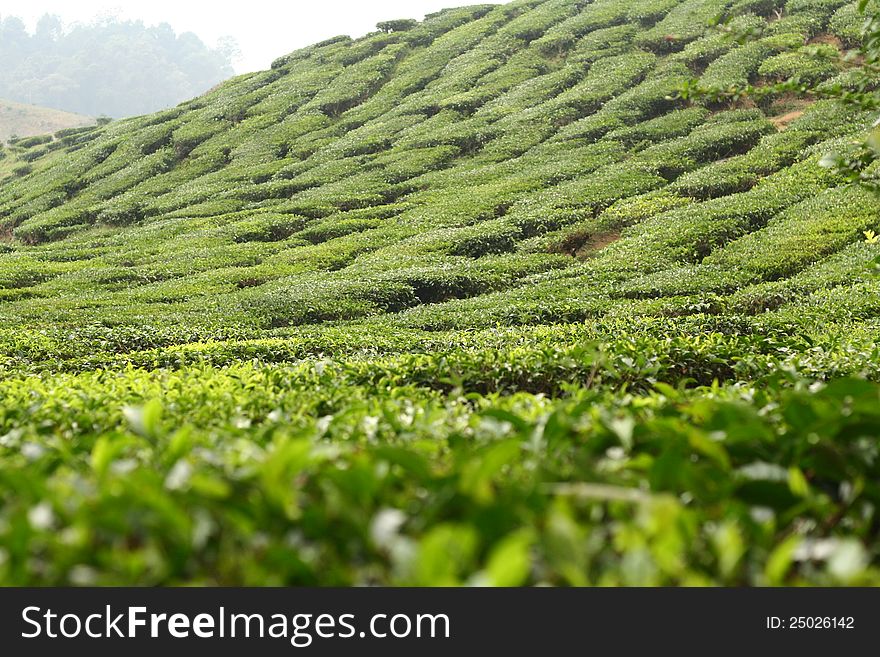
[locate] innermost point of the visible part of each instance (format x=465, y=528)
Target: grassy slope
x=19, y=120
x=473, y=302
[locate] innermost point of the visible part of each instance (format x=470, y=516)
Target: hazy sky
x=264, y=29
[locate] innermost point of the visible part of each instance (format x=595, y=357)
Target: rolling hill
x=479, y=300
x=19, y=120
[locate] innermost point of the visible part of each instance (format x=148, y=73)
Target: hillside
x=476, y=300
x=19, y=120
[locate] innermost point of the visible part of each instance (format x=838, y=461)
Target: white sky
x=264, y=29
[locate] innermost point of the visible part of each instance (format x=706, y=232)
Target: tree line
x=109, y=67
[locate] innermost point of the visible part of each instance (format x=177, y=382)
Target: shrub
x=400, y=25
x=804, y=234
x=30, y=142
x=685, y=22
x=802, y=65
x=266, y=227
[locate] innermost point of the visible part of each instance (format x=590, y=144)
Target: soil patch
x=596, y=243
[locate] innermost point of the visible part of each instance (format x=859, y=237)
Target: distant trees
x=399, y=25
x=109, y=67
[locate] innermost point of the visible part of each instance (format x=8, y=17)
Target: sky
x=264, y=29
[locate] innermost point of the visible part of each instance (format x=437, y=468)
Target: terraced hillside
x=475, y=300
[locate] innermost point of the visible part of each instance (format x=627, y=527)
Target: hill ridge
x=22, y=120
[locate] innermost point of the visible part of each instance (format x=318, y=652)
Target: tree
x=109, y=67
x=49, y=29
x=399, y=25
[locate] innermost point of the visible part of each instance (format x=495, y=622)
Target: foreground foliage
x=283, y=475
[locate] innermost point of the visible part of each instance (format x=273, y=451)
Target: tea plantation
x=478, y=300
